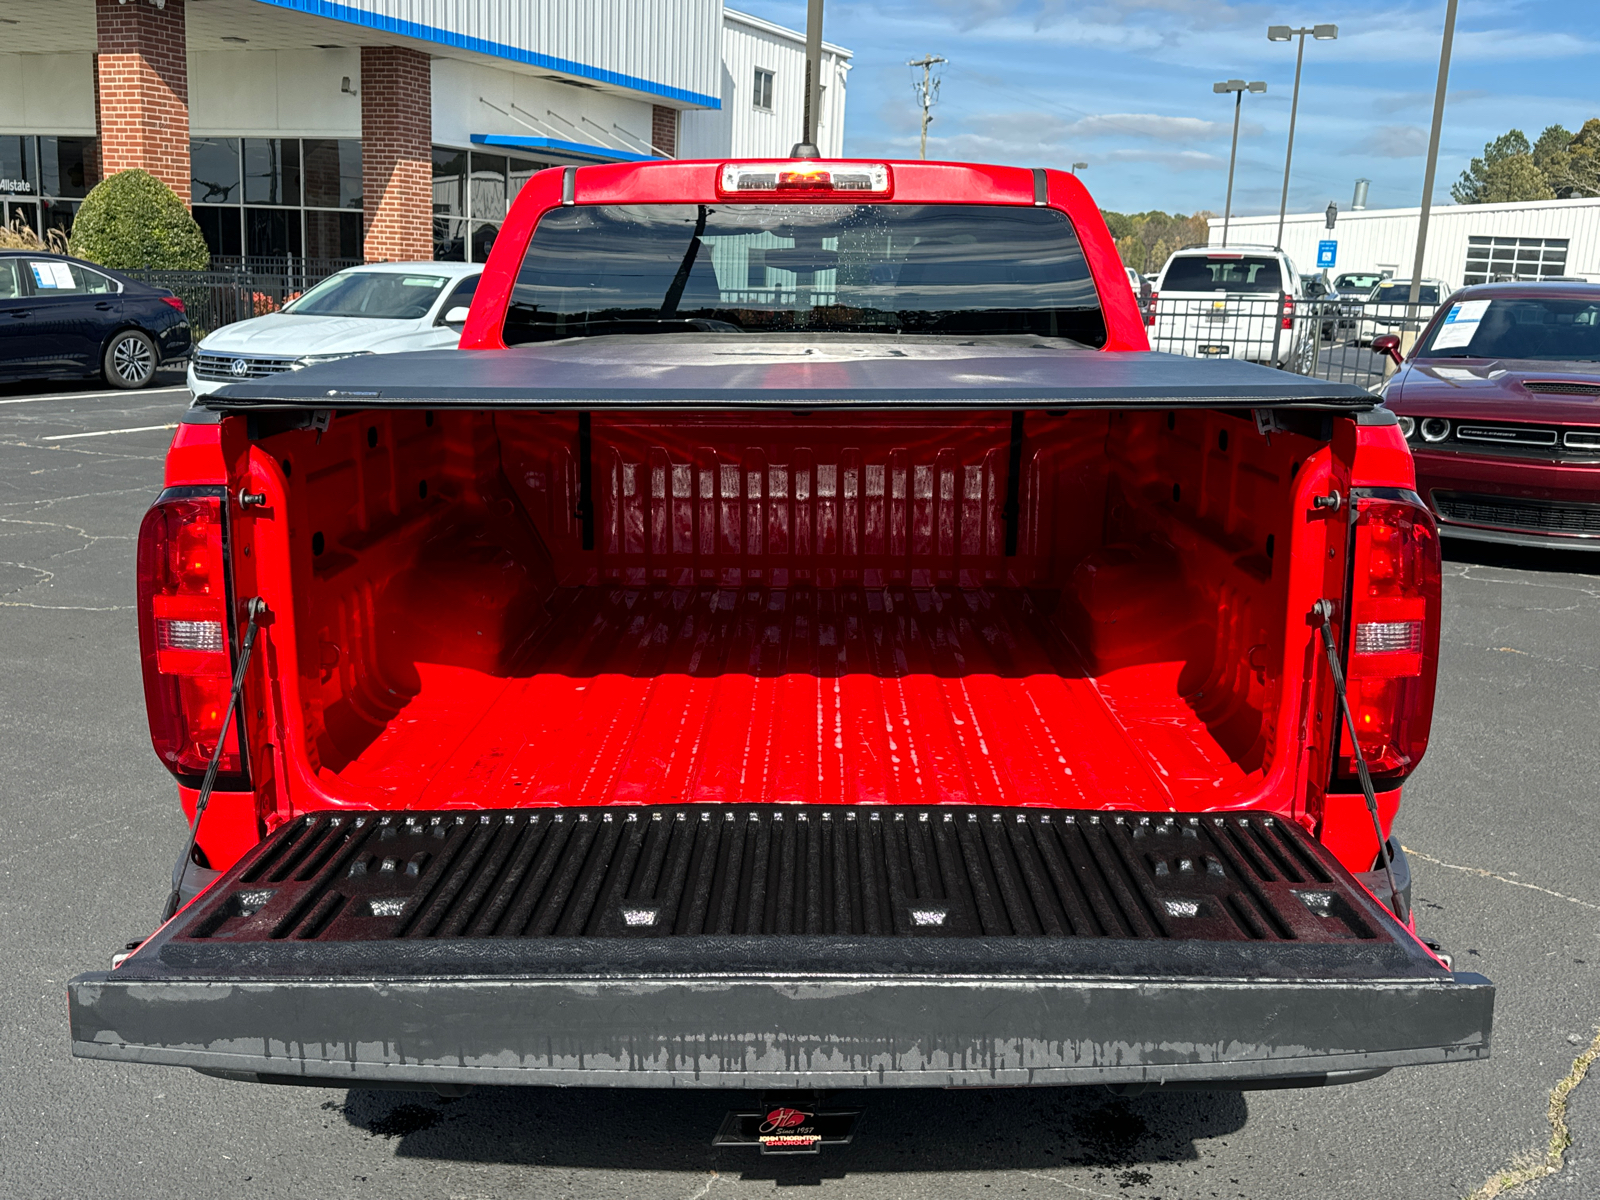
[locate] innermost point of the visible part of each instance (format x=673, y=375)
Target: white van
x=1233, y=303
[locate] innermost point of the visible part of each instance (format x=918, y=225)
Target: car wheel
x=130, y=360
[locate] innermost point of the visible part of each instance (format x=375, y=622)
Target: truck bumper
x=785, y=947
x=793, y=1030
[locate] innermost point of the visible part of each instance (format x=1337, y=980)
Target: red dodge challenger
x=1500, y=402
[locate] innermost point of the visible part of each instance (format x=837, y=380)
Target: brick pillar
x=664, y=129
x=397, y=153
x=142, y=90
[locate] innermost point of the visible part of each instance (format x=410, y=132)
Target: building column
x=664, y=129
x=397, y=153
x=142, y=89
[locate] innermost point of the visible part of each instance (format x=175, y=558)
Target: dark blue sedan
x=62, y=317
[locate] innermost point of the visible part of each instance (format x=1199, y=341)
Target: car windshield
x=1223, y=273
x=1565, y=330
x=390, y=295
x=1398, y=291
x=812, y=268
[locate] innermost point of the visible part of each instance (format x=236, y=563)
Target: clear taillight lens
x=183, y=630
x=1388, y=637
x=1150, y=308
x=1394, y=638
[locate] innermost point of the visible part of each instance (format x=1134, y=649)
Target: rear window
x=823, y=268
x=1221, y=273
x=1554, y=330
x=1400, y=293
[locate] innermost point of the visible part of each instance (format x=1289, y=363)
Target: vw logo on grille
x=239, y=367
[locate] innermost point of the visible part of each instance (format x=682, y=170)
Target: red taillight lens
x=1394, y=633
x=176, y=303
x=184, y=638
x=1288, y=312
x=1150, y=309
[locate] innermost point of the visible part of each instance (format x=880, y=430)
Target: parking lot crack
x=1532, y=887
x=1534, y=1166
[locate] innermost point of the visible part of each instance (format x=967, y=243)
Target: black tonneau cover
x=713, y=371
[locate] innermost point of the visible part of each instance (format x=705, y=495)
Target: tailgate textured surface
x=709, y=871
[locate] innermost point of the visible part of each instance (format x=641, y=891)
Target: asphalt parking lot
x=1501, y=821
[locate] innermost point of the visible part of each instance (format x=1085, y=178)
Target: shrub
x=133, y=220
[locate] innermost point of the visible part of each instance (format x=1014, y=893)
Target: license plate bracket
x=788, y=1126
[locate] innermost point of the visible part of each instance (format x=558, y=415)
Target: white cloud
x=1392, y=141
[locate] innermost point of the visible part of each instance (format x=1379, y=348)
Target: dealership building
x=1467, y=243
x=380, y=129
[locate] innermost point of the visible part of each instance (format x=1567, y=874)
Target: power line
x=927, y=91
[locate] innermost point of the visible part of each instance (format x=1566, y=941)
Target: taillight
x=1394, y=633
x=1288, y=312
x=184, y=637
x=1150, y=308
x=176, y=303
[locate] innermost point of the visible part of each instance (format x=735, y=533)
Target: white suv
x=1232, y=303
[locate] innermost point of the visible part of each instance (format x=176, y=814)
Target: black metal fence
x=236, y=289
x=1328, y=338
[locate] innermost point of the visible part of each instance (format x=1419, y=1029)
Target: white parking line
x=61, y=437
x=85, y=395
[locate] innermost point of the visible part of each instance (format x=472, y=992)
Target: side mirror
x=1387, y=343
x=457, y=315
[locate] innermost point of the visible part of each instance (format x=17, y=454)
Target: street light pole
x=1238, y=87
x=1076, y=167
x=1433, y=155
x=1282, y=33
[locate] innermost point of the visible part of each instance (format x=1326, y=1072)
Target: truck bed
x=848, y=695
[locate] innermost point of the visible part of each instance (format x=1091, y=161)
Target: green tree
x=1575, y=170
x=1146, y=239
x=133, y=220
x=1506, y=173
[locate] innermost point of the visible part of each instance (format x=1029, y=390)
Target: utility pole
x=1433, y=157
x=927, y=92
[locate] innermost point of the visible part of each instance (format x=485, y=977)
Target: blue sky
x=1125, y=85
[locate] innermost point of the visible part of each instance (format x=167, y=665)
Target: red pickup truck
x=802, y=639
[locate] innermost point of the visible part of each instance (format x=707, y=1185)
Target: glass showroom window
x=278, y=198
x=42, y=180
x=471, y=193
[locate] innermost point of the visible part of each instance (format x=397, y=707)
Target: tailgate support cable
x=256, y=608
x=1324, y=610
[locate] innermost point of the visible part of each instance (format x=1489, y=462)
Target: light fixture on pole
x=1283, y=33
x=1238, y=87
x=1076, y=167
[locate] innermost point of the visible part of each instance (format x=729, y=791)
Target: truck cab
x=803, y=638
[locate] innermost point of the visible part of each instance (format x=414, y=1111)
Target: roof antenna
x=806, y=147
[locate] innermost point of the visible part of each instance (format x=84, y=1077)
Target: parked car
x=379, y=308
x=63, y=317
x=1233, y=303
x=1386, y=308
x=908, y=682
x=1358, y=281
x=1501, y=404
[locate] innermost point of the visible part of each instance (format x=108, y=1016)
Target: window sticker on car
x=1461, y=324
x=52, y=275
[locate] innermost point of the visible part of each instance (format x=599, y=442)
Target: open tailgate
x=784, y=946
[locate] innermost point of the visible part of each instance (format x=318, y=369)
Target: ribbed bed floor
x=896, y=696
